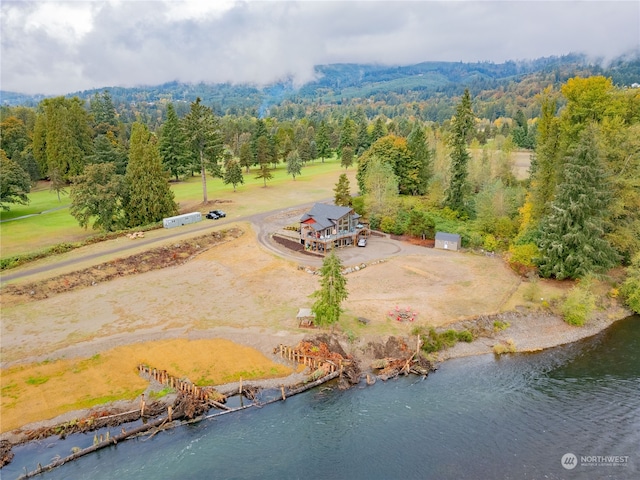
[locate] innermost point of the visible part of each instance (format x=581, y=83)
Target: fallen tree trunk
x=111, y=441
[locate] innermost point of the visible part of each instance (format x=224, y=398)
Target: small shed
x=448, y=241
x=306, y=317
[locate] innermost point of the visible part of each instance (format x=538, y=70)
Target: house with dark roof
x=329, y=226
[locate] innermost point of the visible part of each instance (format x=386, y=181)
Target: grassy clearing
x=34, y=392
x=41, y=231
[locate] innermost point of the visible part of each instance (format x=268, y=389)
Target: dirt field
x=240, y=285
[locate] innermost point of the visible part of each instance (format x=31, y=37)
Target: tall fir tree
x=62, y=137
x=347, y=135
x=545, y=169
x=342, y=192
x=572, y=243
x=203, y=136
x=104, y=113
x=463, y=123
x=173, y=147
x=322, y=141
x=294, y=164
x=149, y=198
x=346, y=157
x=263, y=156
x=233, y=174
x=421, y=158
x=333, y=291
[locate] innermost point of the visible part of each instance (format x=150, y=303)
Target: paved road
x=265, y=224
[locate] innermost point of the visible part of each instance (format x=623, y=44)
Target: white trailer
x=181, y=220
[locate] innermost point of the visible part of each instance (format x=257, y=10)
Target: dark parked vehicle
x=219, y=213
x=212, y=215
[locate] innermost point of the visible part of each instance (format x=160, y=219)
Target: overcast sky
x=54, y=47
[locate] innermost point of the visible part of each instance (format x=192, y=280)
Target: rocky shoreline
x=529, y=330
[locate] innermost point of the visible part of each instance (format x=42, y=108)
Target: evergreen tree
x=203, y=136
x=347, y=135
x=62, y=136
x=455, y=196
x=104, y=113
x=364, y=141
x=572, y=242
x=173, y=145
x=333, y=291
x=259, y=131
x=342, y=192
x=97, y=195
x=346, y=158
x=263, y=155
x=379, y=130
x=149, y=198
x=421, y=158
x=304, y=150
x=233, y=174
x=264, y=173
x=322, y=141
x=294, y=164
x=15, y=183
x=246, y=158
x=545, y=168
x=107, y=150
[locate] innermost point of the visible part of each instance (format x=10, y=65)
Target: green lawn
x=37, y=232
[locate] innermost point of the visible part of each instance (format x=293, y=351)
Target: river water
x=512, y=417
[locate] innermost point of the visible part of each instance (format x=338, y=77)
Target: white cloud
x=60, y=47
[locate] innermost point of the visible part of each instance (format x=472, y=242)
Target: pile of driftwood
x=387, y=368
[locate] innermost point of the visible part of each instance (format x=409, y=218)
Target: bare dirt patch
x=153, y=259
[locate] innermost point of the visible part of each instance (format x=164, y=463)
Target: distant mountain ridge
x=338, y=83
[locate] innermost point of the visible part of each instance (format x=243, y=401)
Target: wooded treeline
x=577, y=214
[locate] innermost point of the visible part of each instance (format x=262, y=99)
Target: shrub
x=475, y=239
x=465, y=336
x=579, y=304
x=387, y=224
x=531, y=292
x=505, y=347
x=521, y=258
x=631, y=287
x=449, y=338
x=499, y=325
x=490, y=243
x=433, y=341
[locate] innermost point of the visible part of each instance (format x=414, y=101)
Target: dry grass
x=508, y=346
x=37, y=391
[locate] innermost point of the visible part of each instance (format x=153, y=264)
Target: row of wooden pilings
x=161, y=376
x=314, y=363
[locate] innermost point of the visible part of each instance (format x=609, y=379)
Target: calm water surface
x=477, y=418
